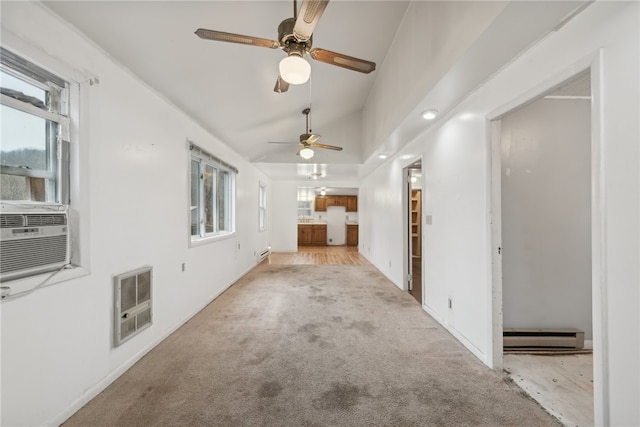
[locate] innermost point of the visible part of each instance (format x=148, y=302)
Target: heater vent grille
x=133, y=303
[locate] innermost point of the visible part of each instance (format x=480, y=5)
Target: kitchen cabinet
x=352, y=234
x=312, y=235
x=321, y=204
x=349, y=202
x=304, y=234
x=337, y=201
x=319, y=235
x=352, y=203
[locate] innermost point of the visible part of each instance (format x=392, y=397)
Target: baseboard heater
x=547, y=339
x=262, y=255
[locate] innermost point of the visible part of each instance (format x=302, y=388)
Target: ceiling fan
x=309, y=140
x=295, y=37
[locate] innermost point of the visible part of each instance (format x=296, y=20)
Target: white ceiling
x=228, y=88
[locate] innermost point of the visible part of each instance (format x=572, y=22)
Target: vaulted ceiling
x=228, y=87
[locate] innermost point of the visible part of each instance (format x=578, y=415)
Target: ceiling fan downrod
x=306, y=112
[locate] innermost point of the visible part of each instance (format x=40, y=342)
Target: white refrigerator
x=336, y=230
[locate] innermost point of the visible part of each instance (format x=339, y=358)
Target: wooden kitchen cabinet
x=312, y=235
x=321, y=203
x=319, y=235
x=352, y=203
x=338, y=201
x=304, y=234
x=349, y=202
x=352, y=234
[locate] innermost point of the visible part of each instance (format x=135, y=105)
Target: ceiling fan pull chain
x=309, y=123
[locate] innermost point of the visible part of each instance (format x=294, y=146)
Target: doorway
x=543, y=187
x=413, y=196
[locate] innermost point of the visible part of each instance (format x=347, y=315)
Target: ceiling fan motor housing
x=289, y=41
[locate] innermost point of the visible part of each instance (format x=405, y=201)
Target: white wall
x=132, y=201
x=285, y=217
x=546, y=215
x=437, y=33
x=456, y=171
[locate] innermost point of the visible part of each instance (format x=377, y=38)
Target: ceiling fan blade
x=343, y=61
x=329, y=147
x=282, y=142
x=236, y=38
x=308, y=138
x=281, y=85
x=313, y=138
x=308, y=17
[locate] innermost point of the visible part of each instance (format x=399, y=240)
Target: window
x=34, y=162
x=212, y=195
x=306, y=196
x=262, y=207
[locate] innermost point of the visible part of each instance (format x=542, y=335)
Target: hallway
x=311, y=345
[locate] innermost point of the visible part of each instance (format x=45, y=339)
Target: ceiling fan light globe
x=306, y=153
x=295, y=70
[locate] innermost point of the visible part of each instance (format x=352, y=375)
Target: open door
x=542, y=197
x=413, y=193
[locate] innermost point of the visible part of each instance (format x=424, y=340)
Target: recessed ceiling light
x=430, y=114
x=382, y=156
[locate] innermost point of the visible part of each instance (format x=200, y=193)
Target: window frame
x=15, y=55
x=57, y=92
x=205, y=161
x=262, y=206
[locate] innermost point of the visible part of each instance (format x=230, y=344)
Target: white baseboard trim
x=457, y=335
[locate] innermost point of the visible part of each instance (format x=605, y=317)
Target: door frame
x=594, y=63
x=407, y=242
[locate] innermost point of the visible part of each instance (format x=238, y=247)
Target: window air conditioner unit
x=32, y=241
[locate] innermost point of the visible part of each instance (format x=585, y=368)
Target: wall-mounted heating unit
x=133, y=303
x=32, y=242
x=263, y=254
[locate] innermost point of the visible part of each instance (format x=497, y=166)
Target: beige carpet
x=311, y=345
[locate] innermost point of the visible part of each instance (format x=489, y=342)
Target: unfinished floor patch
x=562, y=384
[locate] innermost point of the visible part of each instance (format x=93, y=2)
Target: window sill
x=200, y=241
x=18, y=286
